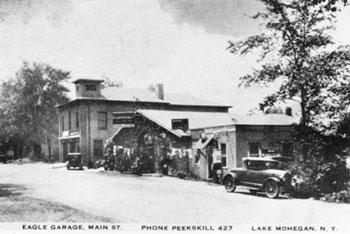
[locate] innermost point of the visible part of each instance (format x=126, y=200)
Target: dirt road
x=128, y=198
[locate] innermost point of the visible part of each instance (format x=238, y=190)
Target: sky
x=179, y=43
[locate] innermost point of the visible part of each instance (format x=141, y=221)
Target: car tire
x=272, y=189
x=230, y=184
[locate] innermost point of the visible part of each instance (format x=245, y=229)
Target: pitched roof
x=199, y=120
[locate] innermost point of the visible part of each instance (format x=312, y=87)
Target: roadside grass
x=14, y=207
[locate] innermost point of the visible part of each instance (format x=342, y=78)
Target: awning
x=200, y=144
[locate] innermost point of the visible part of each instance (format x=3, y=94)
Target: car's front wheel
x=230, y=184
x=272, y=189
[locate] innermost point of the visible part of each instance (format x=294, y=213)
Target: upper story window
x=77, y=120
x=62, y=123
x=91, y=87
x=69, y=120
x=102, y=120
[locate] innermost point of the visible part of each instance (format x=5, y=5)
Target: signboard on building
x=123, y=125
x=123, y=120
x=65, y=133
x=73, y=133
x=216, y=156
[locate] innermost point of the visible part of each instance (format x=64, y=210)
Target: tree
x=28, y=105
x=297, y=50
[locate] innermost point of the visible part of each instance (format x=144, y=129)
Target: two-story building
x=95, y=114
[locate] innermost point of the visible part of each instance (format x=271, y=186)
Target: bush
x=338, y=197
x=320, y=177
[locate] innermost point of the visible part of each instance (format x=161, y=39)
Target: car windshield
x=261, y=165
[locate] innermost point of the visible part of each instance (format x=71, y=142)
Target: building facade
x=95, y=114
x=224, y=148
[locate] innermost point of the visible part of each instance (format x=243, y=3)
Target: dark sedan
x=259, y=175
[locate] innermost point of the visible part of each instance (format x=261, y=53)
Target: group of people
x=123, y=160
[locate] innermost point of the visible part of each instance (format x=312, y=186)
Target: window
x=102, y=120
x=77, y=120
x=69, y=120
x=62, y=123
x=91, y=87
x=254, y=150
x=98, y=149
x=223, y=155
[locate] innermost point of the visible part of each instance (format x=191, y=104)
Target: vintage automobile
x=259, y=175
x=74, y=161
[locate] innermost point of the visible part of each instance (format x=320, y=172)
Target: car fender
x=232, y=174
x=277, y=180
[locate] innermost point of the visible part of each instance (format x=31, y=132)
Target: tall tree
x=297, y=50
x=28, y=104
x=303, y=53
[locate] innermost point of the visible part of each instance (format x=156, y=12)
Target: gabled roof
x=201, y=120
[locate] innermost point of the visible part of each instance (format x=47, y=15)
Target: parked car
x=259, y=175
x=74, y=161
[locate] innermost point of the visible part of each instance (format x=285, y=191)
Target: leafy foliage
x=28, y=104
x=338, y=197
x=321, y=177
x=298, y=51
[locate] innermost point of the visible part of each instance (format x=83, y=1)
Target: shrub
x=338, y=197
x=320, y=176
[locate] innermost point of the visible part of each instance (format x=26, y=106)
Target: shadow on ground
x=8, y=190
x=262, y=195
x=15, y=206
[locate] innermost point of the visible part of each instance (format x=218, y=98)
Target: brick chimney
x=159, y=88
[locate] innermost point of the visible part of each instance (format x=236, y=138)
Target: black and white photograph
x=191, y=116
